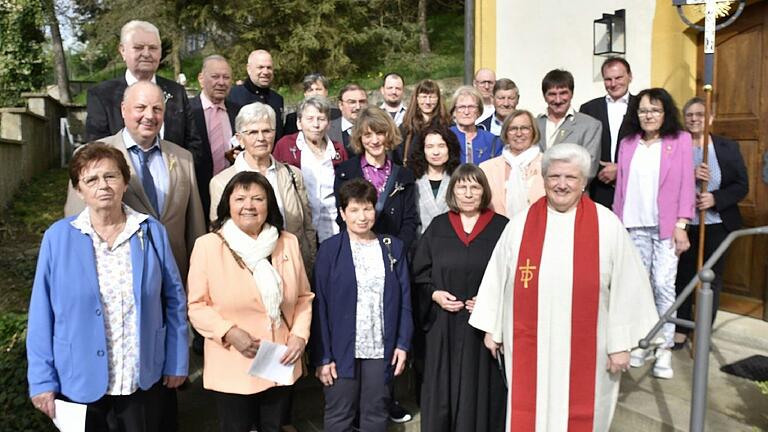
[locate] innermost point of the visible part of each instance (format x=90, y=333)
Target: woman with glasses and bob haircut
x=515, y=176
x=426, y=108
x=655, y=197
x=477, y=144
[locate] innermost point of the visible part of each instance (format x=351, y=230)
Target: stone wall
x=30, y=141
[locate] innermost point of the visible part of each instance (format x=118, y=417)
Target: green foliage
x=16, y=410
x=763, y=386
x=22, y=61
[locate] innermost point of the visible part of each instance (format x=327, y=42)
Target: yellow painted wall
x=485, y=34
x=673, y=53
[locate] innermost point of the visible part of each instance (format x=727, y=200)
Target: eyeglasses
x=521, y=129
x=427, y=97
x=256, y=132
x=360, y=102
x=467, y=108
x=694, y=115
x=110, y=178
x=654, y=112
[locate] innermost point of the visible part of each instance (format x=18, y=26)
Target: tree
x=59, y=60
x=423, y=35
x=22, y=63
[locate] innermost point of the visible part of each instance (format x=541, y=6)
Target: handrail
x=702, y=326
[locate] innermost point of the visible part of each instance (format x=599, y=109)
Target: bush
x=16, y=410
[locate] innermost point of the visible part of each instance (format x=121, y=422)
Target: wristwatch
x=681, y=225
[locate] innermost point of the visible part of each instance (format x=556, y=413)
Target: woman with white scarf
x=515, y=176
x=247, y=284
x=435, y=157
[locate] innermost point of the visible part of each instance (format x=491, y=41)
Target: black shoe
x=398, y=414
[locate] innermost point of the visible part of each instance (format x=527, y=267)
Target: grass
x=34, y=208
x=446, y=32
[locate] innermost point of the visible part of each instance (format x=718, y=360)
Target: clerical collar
x=253, y=88
x=131, y=80
x=624, y=99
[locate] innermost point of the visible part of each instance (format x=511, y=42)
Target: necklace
x=109, y=233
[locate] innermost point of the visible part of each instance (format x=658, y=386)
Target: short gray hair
x=570, y=153
x=318, y=102
x=314, y=77
x=213, y=57
x=252, y=113
x=467, y=91
x=131, y=26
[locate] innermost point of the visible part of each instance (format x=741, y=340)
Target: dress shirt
x=216, y=117
x=156, y=166
x=318, y=179
x=115, y=275
x=616, y=111
x=553, y=127
x=398, y=115
x=376, y=175
x=711, y=216
x=641, y=208
x=496, y=126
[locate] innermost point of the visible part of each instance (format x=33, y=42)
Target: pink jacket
x=677, y=186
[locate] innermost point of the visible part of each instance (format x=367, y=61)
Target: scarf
x=430, y=205
x=517, y=186
x=586, y=295
x=254, y=253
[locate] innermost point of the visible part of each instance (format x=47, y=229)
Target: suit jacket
x=334, y=319
x=290, y=126
x=104, y=117
x=497, y=171
x=733, y=183
x=214, y=308
x=677, y=188
x=398, y=216
x=579, y=129
x=183, y=213
x=203, y=158
x=336, y=135
x=66, y=335
x=248, y=93
x=298, y=214
x=598, y=109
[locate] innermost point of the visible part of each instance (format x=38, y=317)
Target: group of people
x=469, y=240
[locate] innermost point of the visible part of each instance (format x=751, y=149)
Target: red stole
x=584, y=308
x=482, y=222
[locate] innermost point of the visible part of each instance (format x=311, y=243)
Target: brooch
x=166, y=96
x=392, y=260
x=293, y=151
x=398, y=188
x=171, y=163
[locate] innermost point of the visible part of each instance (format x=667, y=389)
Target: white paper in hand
x=266, y=364
x=70, y=417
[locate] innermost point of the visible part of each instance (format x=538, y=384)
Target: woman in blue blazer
x=362, y=322
x=107, y=318
x=373, y=139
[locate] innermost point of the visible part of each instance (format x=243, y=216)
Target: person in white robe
x=543, y=395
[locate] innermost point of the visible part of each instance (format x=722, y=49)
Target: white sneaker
x=638, y=356
x=663, y=366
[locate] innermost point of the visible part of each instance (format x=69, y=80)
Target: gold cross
x=526, y=272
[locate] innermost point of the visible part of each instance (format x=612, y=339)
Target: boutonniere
x=398, y=187
x=392, y=260
x=166, y=96
x=336, y=156
x=561, y=133
x=171, y=163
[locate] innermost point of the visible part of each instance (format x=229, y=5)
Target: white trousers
x=661, y=263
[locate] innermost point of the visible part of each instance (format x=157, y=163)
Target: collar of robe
x=482, y=222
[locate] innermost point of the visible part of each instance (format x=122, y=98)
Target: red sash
x=586, y=295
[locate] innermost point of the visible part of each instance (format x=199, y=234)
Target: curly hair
x=418, y=162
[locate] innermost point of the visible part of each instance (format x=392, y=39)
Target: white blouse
x=641, y=206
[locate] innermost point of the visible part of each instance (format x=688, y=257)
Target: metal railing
x=702, y=326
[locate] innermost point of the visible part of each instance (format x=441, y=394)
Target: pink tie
x=217, y=138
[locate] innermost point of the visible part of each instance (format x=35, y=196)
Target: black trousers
x=238, y=413
x=140, y=411
x=368, y=393
x=686, y=269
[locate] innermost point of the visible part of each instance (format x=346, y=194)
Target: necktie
x=345, y=139
x=217, y=139
x=147, y=181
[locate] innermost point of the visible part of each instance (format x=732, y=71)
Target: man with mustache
x=214, y=117
x=562, y=124
x=352, y=100
x=140, y=48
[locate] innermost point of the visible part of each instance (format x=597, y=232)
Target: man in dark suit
x=140, y=48
x=614, y=111
x=506, y=95
x=352, y=100
x=214, y=118
x=256, y=87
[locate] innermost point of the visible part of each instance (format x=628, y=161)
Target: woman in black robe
x=463, y=387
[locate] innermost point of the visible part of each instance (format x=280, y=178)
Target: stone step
x=647, y=404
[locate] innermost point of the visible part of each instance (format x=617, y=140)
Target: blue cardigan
x=66, y=336
x=334, y=310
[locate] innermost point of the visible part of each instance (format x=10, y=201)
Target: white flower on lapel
x=171, y=162
x=167, y=96
x=398, y=187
